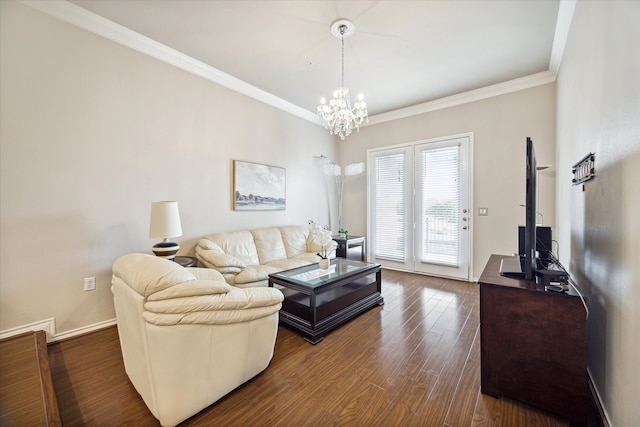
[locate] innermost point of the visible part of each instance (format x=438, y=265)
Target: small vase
x=324, y=263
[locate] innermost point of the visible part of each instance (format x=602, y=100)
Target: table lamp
x=165, y=223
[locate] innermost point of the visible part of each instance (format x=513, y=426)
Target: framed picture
x=258, y=187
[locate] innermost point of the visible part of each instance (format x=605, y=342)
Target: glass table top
x=312, y=275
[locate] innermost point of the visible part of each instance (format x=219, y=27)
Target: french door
x=419, y=207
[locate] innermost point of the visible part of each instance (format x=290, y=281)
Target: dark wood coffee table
x=317, y=301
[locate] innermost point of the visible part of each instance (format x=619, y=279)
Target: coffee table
x=317, y=301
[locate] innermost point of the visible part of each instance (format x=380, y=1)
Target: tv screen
x=530, y=213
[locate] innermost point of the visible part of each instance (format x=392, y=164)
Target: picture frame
x=258, y=187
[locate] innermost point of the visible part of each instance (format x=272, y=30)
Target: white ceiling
x=403, y=53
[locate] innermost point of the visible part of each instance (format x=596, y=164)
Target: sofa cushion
x=306, y=258
x=295, y=239
x=254, y=273
x=269, y=244
x=288, y=264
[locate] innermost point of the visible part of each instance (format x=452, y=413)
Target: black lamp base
x=166, y=249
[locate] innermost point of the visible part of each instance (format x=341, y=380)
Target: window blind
x=440, y=234
x=390, y=202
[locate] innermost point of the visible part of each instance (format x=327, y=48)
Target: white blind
x=390, y=202
x=441, y=205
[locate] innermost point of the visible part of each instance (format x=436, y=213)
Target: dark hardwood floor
x=413, y=362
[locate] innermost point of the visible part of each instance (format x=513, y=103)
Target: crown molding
x=510, y=86
x=563, y=24
x=82, y=18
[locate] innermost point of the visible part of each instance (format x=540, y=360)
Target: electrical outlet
x=483, y=211
x=89, y=283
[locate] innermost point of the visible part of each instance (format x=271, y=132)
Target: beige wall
x=500, y=126
x=91, y=133
x=599, y=232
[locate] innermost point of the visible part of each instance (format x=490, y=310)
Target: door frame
x=413, y=225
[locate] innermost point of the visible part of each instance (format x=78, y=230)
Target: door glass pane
x=390, y=202
x=440, y=234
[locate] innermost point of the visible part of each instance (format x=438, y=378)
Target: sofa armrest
x=212, y=256
x=237, y=305
x=193, y=288
x=234, y=299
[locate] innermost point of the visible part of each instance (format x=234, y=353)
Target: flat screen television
x=530, y=213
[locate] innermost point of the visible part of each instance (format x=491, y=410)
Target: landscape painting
x=258, y=187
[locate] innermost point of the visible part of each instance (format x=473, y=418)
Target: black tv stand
x=533, y=344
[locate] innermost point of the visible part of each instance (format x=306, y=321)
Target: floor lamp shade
x=165, y=223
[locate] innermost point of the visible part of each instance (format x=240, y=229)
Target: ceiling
x=403, y=53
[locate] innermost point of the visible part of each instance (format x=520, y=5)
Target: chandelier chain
x=342, y=28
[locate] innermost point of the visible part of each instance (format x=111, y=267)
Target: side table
x=186, y=261
x=351, y=247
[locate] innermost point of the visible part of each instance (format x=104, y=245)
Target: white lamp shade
x=165, y=220
x=355, y=168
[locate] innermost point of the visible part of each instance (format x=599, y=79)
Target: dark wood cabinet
x=533, y=344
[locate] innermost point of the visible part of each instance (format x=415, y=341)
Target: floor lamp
x=331, y=168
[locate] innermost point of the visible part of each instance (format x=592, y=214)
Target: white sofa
x=188, y=338
x=246, y=258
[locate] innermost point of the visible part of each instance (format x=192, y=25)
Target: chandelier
x=338, y=116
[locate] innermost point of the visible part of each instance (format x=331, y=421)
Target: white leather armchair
x=187, y=337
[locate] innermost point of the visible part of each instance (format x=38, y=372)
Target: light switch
x=483, y=211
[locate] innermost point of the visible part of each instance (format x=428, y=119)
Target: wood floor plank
x=415, y=361
x=487, y=411
x=463, y=404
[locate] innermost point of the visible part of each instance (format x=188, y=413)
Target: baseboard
x=602, y=413
x=49, y=326
x=84, y=330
